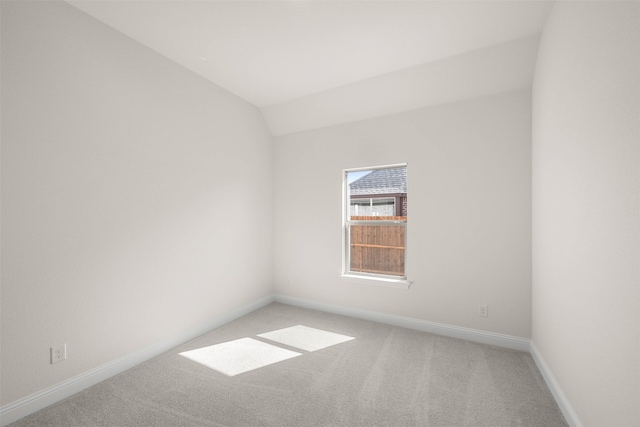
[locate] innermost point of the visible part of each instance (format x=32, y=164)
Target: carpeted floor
x=385, y=376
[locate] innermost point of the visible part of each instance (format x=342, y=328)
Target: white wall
x=469, y=240
x=499, y=68
x=586, y=205
x=136, y=196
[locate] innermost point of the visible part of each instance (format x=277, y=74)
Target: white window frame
x=400, y=282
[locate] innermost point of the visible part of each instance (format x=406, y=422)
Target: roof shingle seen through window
x=381, y=181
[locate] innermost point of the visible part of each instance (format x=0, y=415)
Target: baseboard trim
x=561, y=399
x=32, y=403
x=484, y=337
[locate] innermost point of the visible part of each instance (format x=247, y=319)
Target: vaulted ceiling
x=299, y=58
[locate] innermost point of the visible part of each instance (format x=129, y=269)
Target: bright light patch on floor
x=305, y=338
x=239, y=356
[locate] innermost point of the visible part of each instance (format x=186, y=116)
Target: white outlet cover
x=58, y=353
x=483, y=310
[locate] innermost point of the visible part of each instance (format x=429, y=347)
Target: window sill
x=378, y=281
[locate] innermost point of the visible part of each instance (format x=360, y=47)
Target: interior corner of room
x=145, y=203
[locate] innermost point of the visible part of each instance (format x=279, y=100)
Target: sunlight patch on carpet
x=305, y=338
x=239, y=356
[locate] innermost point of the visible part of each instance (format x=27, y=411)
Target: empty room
x=320, y=213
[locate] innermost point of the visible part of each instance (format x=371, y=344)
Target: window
x=368, y=206
x=375, y=223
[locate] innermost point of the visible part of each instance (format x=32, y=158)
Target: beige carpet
x=382, y=376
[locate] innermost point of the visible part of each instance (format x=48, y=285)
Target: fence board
x=378, y=248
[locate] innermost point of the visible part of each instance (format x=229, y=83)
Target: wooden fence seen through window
x=380, y=248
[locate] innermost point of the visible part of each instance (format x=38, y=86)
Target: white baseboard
x=561, y=399
x=30, y=404
x=500, y=340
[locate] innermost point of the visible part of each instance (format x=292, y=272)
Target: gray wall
x=586, y=205
x=118, y=171
x=469, y=229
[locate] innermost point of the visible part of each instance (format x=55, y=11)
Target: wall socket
x=58, y=353
x=483, y=310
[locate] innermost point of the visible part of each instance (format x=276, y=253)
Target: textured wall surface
x=134, y=197
x=469, y=197
x=586, y=205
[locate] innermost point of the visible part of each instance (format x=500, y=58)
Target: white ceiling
x=272, y=53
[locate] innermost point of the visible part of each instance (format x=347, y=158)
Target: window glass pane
x=377, y=249
x=380, y=196
x=378, y=192
x=373, y=207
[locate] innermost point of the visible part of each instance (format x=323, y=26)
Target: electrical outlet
x=58, y=353
x=483, y=310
